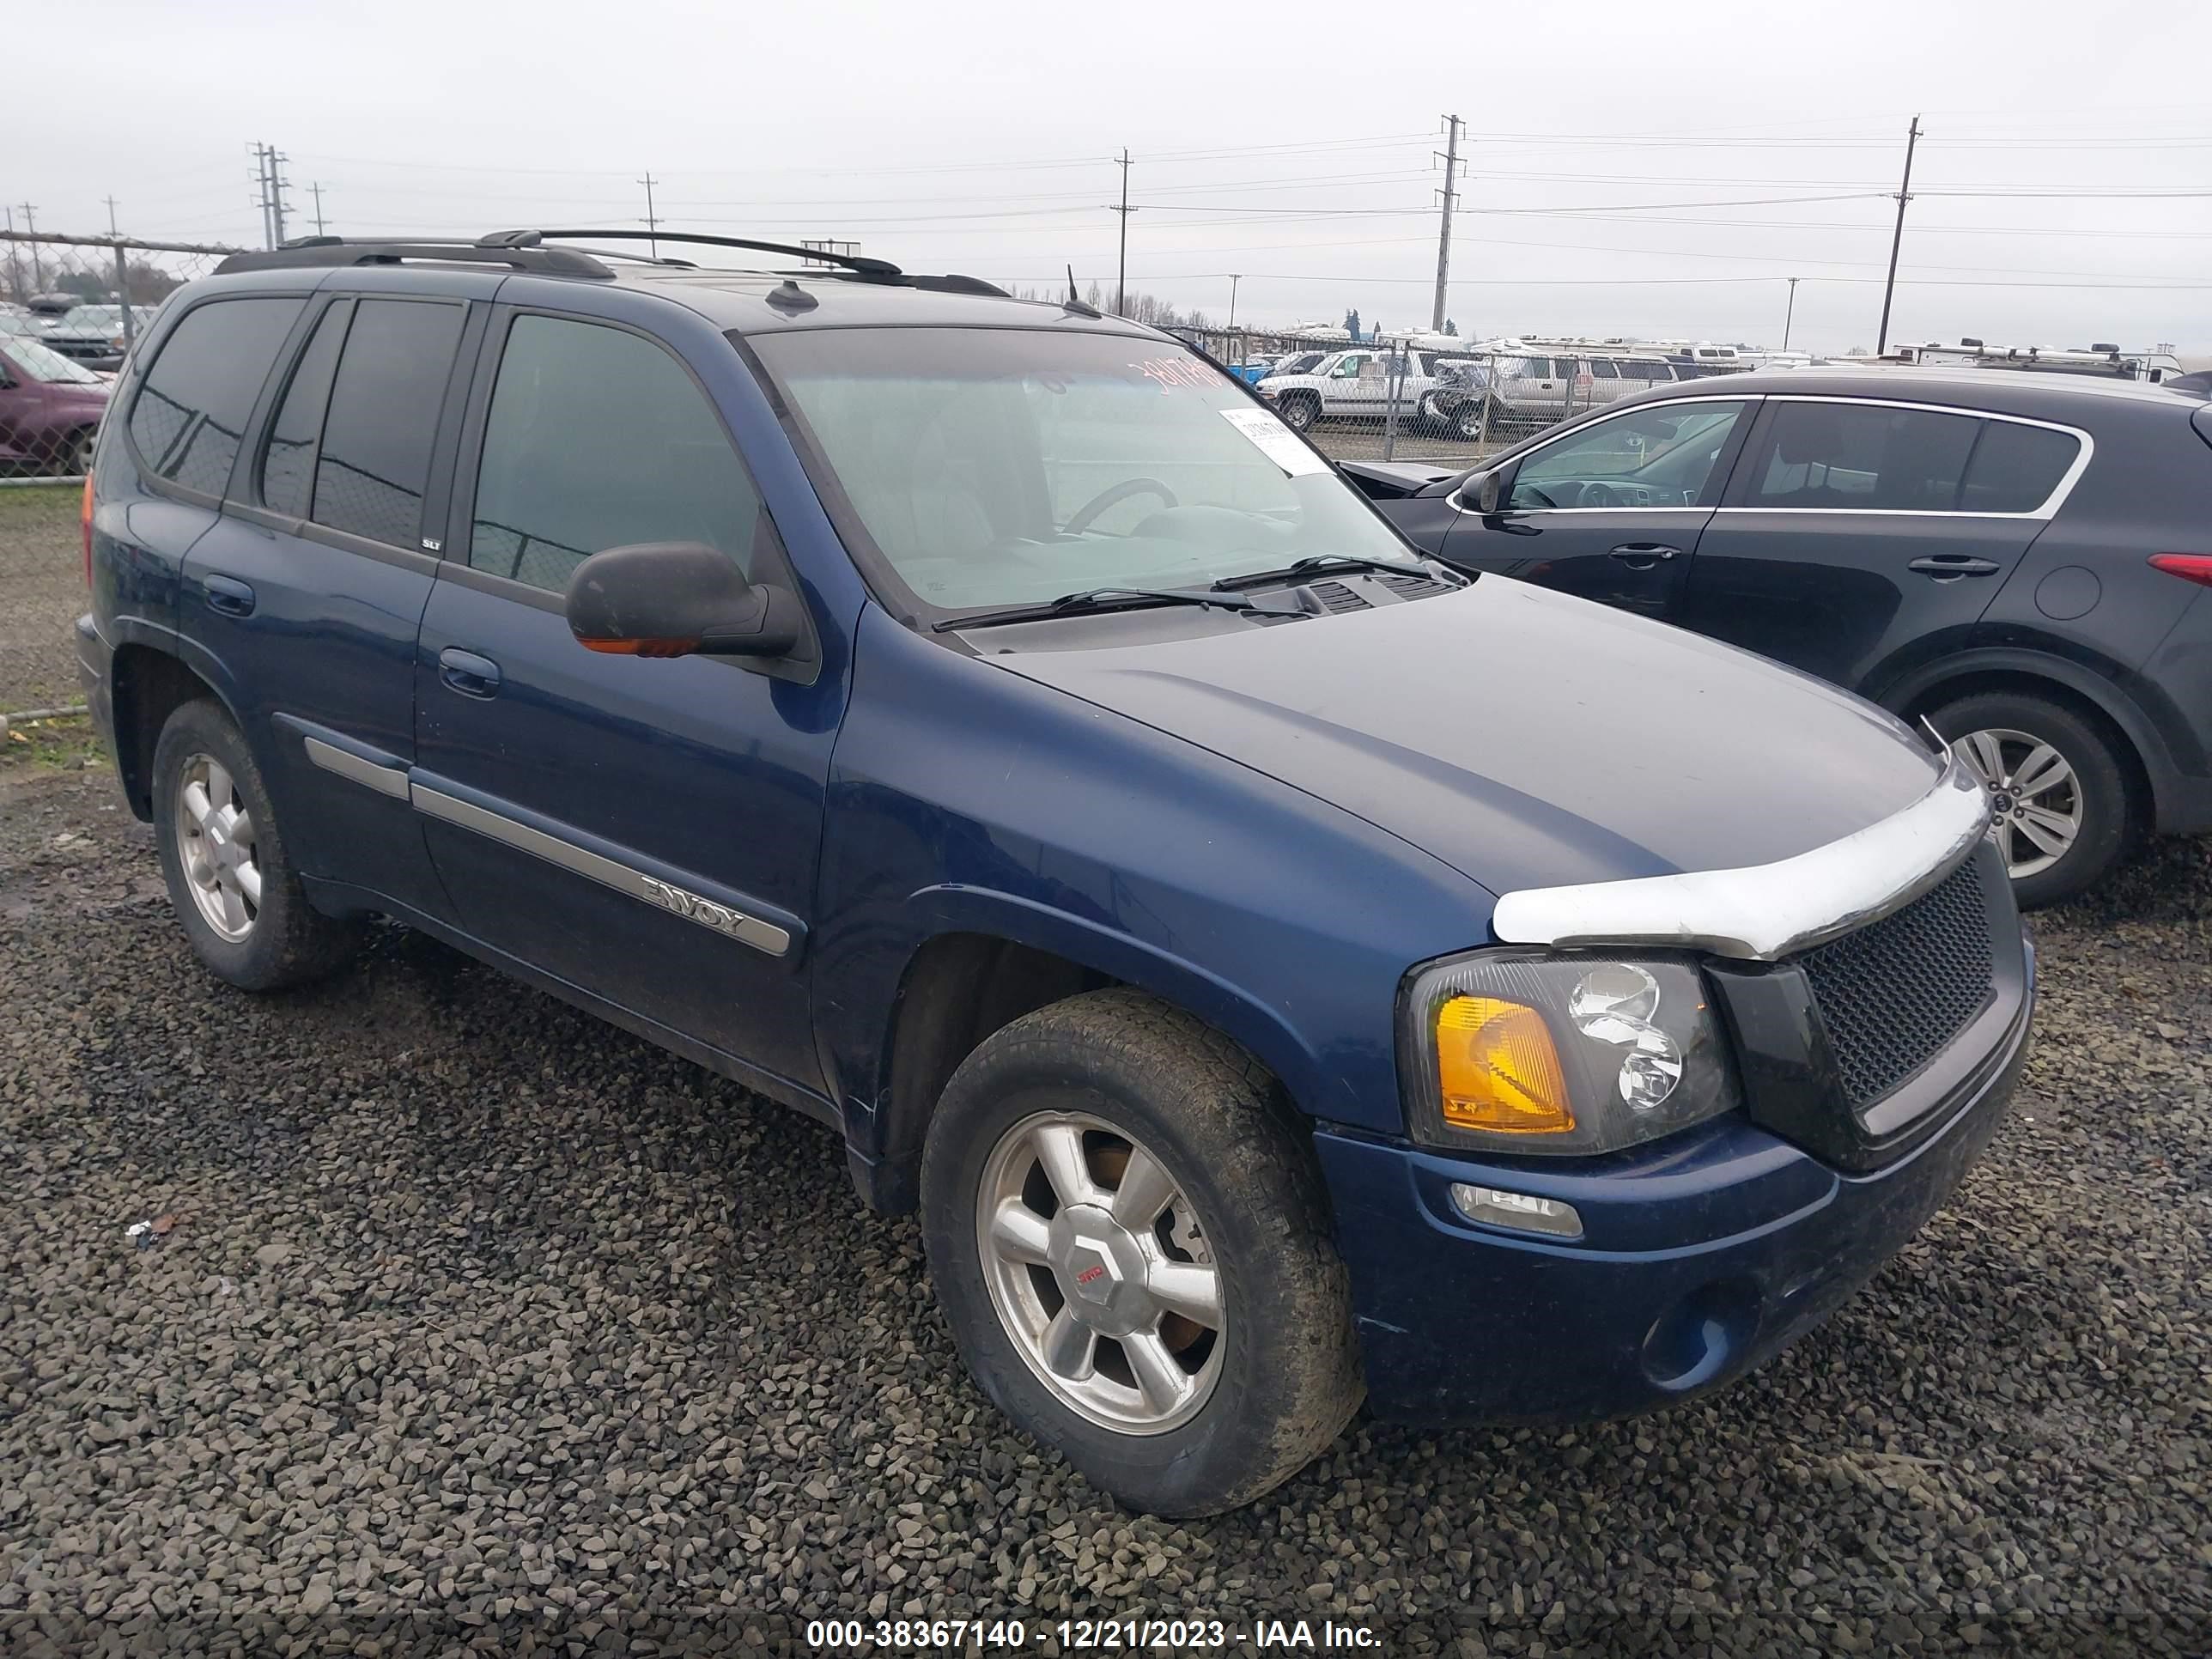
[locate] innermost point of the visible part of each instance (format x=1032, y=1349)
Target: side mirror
x=1489, y=492
x=677, y=600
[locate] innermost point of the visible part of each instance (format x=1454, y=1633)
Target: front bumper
x=1701, y=1256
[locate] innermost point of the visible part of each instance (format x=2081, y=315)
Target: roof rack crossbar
x=857, y=264
x=331, y=252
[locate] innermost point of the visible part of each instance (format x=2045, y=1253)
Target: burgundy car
x=50, y=408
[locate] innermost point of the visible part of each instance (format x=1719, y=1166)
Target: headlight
x=1535, y=1051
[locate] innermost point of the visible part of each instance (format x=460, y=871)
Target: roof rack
x=880, y=269
x=528, y=250
x=335, y=250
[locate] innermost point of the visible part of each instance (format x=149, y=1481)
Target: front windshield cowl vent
x=1410, y=587
x=1335, y=597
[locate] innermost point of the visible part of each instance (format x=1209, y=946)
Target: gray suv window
x=1867, y=456
x=2016, y=467
x=597, y=438
x=190, y=414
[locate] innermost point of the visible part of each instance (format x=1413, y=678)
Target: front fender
x=964, y=799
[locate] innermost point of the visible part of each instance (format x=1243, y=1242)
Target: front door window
x=1663, y=455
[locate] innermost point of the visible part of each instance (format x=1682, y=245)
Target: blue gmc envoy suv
x=1280, y=969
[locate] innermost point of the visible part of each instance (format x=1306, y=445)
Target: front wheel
x=1128, y=1236
x=1300, y=413
x=2057, y=789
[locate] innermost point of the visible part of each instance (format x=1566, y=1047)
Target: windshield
x=44, y=363
x=994, y=467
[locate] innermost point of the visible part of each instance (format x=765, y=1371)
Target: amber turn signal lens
x=1499, y=1070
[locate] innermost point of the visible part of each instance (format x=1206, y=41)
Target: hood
x=67, y=391
x=1525, y=737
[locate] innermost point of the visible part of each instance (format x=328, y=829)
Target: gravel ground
x=42, y=593
x=482, y=1327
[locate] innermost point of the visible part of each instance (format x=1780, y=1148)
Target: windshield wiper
x=1320, y=561
x=1093, y=599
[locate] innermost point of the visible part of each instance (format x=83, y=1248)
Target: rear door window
x=2015, y=468
x=599, y=438
x=374, y=461
x=1870, y=457
x=190, y=414
x=288, y=463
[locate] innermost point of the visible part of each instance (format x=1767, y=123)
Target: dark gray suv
x=2020, y=558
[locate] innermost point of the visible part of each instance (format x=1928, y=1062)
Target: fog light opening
x=1522, y=1212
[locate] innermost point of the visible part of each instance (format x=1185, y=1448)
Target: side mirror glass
x=1489, y=492
x=677, y=600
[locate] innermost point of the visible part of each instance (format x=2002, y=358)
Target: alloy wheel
x=1101, y=1272
x=216, y=848
x=2034, y=794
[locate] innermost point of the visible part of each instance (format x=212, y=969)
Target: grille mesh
x=1896, y=991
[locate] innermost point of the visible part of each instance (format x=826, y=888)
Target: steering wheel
x=1127, y=489
x=1598, y=494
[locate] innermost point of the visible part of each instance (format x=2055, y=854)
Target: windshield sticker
x=1169, y=373
x=1275, y=441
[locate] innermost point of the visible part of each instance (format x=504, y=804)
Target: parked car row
x=1279, y=967
x=1470, y=394
x=2018, y=558
x=91, y=334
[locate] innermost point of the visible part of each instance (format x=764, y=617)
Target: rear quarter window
x=190, y=413
x=2014, y=468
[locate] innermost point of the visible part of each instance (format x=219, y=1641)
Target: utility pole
x=1122, y=273
x=31, y=228
x=316, y=189
x=1897, y=240
x=652, y=224
x=276, y=192
x=1452, y=125
x=14, y=271
x=1234, y=278
x=1788, y=314
x=262, y=168
x=112, y=230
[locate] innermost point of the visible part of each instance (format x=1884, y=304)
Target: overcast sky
x=1648, y=170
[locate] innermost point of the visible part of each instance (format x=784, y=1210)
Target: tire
x=261, y=934
x=1466, y=421
x=73, y=459
x=1299, y=413
x=1274, y=1380
x=1998, y=733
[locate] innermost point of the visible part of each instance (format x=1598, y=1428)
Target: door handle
x=468, y=674
x=1642, y=555
x=230, y=595
x=1950, y=566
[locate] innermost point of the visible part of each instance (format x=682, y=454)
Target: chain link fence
x=1429, y=397
x=71, y=308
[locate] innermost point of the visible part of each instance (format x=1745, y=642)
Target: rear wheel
x=230, y=878
x=1128, y=1236
x=2057, y=789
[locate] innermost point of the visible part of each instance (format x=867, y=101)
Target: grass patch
x=40, y=503
x=66, y=744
